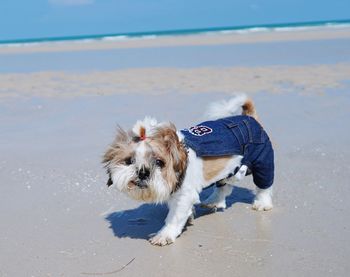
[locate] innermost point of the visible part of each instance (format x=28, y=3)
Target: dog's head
x=147, y=162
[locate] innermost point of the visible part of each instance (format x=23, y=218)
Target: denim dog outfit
x=236, y=135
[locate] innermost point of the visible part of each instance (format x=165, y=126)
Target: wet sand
x=59, y=219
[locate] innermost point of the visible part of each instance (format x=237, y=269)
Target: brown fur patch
x=248, y=108
x=168, y=147
x=120, y=148
x=212, y=166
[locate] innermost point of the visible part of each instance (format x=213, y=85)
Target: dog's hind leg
x=263, y=200
x=223, y=189
x=217, y=200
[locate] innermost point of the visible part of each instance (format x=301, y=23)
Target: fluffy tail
x=239, y=104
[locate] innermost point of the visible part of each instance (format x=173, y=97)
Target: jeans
x=236, y=135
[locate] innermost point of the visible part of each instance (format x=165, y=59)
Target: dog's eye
x=159, y=163
x=128, y=161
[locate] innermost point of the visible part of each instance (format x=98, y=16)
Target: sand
x=157, y=81
x=56, y=119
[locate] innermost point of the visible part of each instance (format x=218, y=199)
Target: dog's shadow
x=147, y=219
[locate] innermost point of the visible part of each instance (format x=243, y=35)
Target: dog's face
x=148, y=162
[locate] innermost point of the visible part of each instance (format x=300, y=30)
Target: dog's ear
x=121, y=141
x=174, y=153
x=174, y=147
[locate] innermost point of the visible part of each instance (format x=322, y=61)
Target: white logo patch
x=200, y=130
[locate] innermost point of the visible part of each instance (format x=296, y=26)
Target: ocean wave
x=306, y=28
x=115, y=38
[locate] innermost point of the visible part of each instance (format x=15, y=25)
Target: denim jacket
x=236, y=135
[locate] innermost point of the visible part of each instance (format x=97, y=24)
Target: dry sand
x=157, y=81
x=59, y=219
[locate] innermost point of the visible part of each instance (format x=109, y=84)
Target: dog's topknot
x=144, y=128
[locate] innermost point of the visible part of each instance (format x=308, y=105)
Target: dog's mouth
x=137, y=184
x=142, y=184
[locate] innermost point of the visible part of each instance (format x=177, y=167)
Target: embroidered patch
x=200, y=130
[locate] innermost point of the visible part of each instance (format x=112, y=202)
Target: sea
x=204, y=31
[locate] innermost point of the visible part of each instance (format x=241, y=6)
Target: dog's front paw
x=161, y=239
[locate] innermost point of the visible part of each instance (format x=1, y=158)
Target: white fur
x=225, y=108
x=149, y=123
x=140, y=154
x=263, y=200
x=121, y=175
x=160, y=186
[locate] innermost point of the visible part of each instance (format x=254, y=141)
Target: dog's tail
x=239, y=104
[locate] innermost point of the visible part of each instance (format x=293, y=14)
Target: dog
x=155, y=162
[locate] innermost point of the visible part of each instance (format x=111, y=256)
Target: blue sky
x=21, y=19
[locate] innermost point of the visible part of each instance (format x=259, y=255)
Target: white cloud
x=71, y=2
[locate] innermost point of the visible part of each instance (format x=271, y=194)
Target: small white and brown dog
x=153, y=162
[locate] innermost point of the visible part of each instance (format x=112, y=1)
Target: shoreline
x=185, y=40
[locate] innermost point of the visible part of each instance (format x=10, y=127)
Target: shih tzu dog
x=153, y=162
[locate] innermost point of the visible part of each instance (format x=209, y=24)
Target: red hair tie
x=142, y=133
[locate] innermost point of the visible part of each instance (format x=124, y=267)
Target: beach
x=61, y=103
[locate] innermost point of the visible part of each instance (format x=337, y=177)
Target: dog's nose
x=143, y=173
